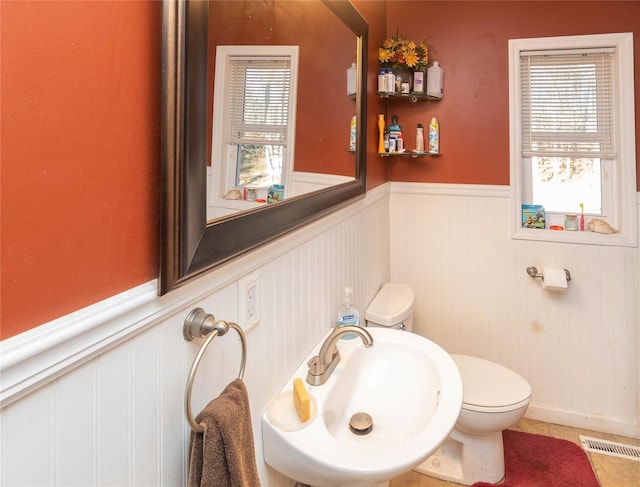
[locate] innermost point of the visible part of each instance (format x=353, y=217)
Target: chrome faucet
x=321, y=366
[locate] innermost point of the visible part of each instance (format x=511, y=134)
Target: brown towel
x=223, y=454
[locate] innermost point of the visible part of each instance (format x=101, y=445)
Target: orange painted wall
x=376, y=13
x=80, y=135
x=471, y=41
x=80, y=131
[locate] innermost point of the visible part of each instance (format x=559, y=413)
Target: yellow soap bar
x=301, y=400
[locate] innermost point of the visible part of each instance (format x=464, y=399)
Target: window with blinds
x=259, y=100
x=572, y=137
x=567, y=103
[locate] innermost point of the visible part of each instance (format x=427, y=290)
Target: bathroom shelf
x=412, y=155
x=412, y=97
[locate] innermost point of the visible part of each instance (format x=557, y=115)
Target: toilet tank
x=392, y=307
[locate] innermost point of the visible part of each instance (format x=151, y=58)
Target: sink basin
x=409, y=387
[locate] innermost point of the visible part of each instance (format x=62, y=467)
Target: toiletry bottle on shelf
x=582, y=217
x=352, y=134
x=419, y=138
x=381, y=142
x=395, y=131
x=418, y=82
x=435, y=80
x=382, y=81
x=351, y=80
x=434, y=136
x=391, y=81
x=348, y=314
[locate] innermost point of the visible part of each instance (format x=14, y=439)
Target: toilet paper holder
x=533, y=272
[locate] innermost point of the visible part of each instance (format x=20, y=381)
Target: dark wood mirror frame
x=189, y=246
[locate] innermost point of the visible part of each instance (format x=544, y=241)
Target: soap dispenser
x=348, y=314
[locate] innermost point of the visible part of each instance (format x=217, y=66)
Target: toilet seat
x=490, y=387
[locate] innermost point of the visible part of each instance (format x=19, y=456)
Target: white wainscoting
x=580, y=350
x=96, y=398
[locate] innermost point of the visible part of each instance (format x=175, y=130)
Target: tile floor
x=611, y=471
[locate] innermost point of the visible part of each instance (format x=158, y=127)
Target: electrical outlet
x=252, y=305
x=249, y=302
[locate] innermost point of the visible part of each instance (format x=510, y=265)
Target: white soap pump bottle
x=348, y=314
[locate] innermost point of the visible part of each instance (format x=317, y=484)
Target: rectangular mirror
x=192, y=243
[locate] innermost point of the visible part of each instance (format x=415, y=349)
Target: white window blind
x=568, y=103
x=259, y=105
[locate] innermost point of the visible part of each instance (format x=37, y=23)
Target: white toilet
x=494, y=398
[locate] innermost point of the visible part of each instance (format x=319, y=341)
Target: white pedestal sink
x=408, y=385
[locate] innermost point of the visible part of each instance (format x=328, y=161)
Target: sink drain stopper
x=361, y=424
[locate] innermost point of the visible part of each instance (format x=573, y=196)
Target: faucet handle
x=314, y=366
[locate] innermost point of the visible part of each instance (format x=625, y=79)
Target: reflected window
x=260, y=91
x=253, y=118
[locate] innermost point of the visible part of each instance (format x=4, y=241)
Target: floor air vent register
x=614, y=449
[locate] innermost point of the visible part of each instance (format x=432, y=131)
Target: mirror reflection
x=327, y=35
x=279, y=112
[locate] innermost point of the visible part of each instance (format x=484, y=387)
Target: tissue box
x=533, y=216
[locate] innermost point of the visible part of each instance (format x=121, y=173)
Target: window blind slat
x=567, y=104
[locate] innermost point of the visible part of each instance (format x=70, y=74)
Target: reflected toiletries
x=352, y=134
x=351, y=80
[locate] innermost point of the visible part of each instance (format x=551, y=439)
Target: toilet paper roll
x=554, y=279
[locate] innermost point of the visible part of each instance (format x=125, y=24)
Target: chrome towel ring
x=199, y=324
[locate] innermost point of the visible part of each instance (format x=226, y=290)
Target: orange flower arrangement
x=397, y=53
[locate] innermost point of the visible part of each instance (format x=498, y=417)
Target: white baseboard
x=579, y=420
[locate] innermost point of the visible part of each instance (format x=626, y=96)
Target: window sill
x=237, y=204
x=575, y=237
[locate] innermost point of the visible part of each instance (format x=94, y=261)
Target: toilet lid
x=490, y=385
x=392, y=305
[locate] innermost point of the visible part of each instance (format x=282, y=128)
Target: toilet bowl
x=494, y=398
